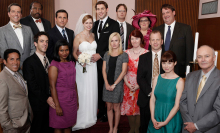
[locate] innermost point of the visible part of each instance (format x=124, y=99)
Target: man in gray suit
x=200, y=101
x=16, y=36
x=15, y=111
x=125, y=28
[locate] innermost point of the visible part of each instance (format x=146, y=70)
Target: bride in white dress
x=87, y=83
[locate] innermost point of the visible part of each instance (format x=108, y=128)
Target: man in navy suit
x=59, y=31
x=177, y=38
x=102, y=29
x=35, y=20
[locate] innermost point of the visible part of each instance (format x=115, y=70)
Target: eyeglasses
x=141, y=21
x=121, y=11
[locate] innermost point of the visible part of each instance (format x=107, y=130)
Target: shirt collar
x=13, y=24
x=40, y=55
x=59, y=28
x=158, y=53
x=104, y=20
x=35, y=19
x=121, y=22
x=172, y=25
x=208, y=73
x=13, y=73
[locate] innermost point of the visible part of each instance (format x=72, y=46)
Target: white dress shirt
x=60, y=29
x=103, y=22
x=18, y=32
x=40, y=26
x=125, y=32
x=171, y=29
x=159, y=59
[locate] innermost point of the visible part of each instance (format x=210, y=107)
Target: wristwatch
x=114, y=85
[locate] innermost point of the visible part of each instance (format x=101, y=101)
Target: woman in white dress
x=87, y=83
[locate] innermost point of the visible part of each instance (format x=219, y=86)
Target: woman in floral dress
x=131, y=88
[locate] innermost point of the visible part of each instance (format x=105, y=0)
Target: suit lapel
x=33, y=25
x=39, y=63
x=195, y=85
x=150, y=64
x=10, y=76
x=57, y=32
x=208, y=83
x=95, y=30
x=104, y=27
x=13, y=35
x=45, y=27
x=175, y=35
x=68, y=34
x=25, y=39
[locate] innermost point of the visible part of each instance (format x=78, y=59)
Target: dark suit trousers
x=40, y=123
x=145, y=118
x=101, y=103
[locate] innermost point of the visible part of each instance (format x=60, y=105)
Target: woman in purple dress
x=62, y=76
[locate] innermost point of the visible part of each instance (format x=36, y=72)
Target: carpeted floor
x=101, y=127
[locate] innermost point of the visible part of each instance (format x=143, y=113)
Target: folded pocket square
x=106, y=32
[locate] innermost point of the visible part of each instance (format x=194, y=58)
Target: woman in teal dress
x=167, y=89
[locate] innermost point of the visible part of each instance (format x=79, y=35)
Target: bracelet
x=114, y=85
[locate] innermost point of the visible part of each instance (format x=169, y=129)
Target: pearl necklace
x=137, y=52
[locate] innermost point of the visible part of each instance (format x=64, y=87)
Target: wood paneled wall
x=186, y=10
x=48, y=9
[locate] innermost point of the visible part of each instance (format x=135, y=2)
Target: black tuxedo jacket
x=130, y=28
x=30, y=22
x=109, y=27
x=54, y=36
x=144, y=76
x=37, y=82
x=181, y=44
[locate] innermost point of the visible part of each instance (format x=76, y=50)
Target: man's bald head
x=206, y=57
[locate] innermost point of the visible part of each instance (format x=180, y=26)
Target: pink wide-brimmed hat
x=148, y=14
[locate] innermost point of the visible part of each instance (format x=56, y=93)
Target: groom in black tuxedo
x=102, y=29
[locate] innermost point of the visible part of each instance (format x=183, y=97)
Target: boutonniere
x=106, y=25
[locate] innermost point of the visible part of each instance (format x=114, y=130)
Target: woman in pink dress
x=144, y=22
x=62, y=77
x=129, y=106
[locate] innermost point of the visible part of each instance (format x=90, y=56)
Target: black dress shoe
x=104, y=118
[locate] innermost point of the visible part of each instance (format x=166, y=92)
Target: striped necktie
x=122, y=35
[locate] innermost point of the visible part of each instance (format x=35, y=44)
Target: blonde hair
x=85, y=18
x=120, y=51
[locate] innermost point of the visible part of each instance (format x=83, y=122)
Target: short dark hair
x=13, y=4
x=36, y=2
x=168, y=6
x=148, y=20
x=59, y=43
x=168, y=56
x=137, y=33
x=9, y=51
x=62, y=10
x=121, y=5
x=101, y=2
x=36, y=37
x=156, y=31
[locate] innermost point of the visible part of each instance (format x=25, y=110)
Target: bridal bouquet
x=84, y=58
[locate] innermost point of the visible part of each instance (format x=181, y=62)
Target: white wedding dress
x=87, y=87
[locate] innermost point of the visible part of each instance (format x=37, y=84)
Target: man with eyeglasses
x=125, y=28
x=35, y=20
x=177, y=38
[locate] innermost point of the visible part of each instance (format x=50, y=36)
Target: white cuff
x=196, y=126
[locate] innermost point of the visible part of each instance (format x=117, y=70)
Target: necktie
x=167, y=41
x=17, y=26
x=64, y=35
x=46, y=65
x=100, y=27
x=38, y=21
x=155, y=66
x=20, y=80
x=201, y=85
x=122, y=35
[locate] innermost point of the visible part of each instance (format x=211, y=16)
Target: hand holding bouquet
x=84, y=58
